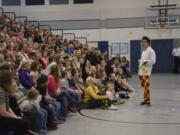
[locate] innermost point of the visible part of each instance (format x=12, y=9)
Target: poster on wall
x=119, y=48
x=123, y=48
x=115, y=49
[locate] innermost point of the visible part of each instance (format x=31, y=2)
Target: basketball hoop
x=163, y=25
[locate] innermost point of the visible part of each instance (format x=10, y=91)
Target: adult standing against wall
x=148, y=59
x=176, y=56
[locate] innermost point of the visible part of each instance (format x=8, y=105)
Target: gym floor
x=163, y=118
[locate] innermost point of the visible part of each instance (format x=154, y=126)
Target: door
x=135, y=54
x=103, y=46
x=164, y=59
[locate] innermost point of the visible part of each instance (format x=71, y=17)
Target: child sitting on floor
x=110, y=91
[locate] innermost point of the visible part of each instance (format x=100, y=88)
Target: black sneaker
x=143, y=103
x=52, y=127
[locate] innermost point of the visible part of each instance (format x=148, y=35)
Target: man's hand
x=145, y=62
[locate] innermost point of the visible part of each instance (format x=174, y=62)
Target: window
x=83, y=1
x=56, y=2
x=35, y=2
x=11, y=2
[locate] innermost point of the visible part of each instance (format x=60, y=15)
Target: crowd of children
x=43, y=77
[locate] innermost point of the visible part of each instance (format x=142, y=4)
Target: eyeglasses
x=144, y=41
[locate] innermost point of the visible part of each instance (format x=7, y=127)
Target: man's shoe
x=143, y=103
x=148, y=104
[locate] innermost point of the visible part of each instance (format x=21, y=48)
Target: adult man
x=148, y=58
x=176, y=55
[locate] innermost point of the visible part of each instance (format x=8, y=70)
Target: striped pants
x=145, y=83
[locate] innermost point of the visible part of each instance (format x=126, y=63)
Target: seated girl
x=24, y=76
x=110, y=90
x=48, y=103
x=123, y=78
x=15, y=96
x=30, y=103
x=34, y=74
x=78, y=81
x=123, y=92
x=9, y=66
x=125, y=65
x=68, y=85
x=9, y=121
x=66, y=100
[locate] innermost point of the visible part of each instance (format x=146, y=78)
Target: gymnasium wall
x=100, y=9
x=124, y=34
x=112, y=20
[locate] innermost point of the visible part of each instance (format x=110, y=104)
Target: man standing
x=176, y=55
x=148, y=58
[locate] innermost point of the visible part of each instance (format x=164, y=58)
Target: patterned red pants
x=145, y=83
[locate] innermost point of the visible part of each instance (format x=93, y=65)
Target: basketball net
x=164, y=32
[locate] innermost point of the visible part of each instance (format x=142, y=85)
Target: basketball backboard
x=162, y=16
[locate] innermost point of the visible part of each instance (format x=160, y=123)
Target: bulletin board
x=119, y=48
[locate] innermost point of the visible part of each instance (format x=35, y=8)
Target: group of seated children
x=43, y=77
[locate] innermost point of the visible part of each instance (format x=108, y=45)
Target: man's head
x=146, y=42
x=176, y=46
